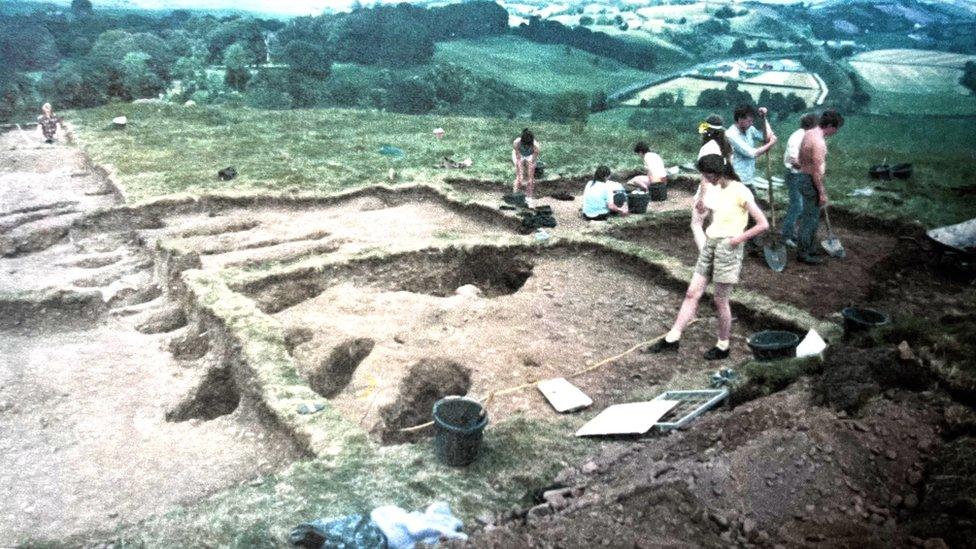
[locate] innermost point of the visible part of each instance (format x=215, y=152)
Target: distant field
x=691, y=88
x=910, y=81
x=538, y=68
x=784, y=78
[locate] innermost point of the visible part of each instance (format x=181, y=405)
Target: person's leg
x=724, y=310
x=518, y=173
x=689, y=306
x=528, y=175
x=796, y=205
x=809, y=220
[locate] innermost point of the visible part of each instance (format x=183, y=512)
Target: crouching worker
x=602, y=197
x=720, y=259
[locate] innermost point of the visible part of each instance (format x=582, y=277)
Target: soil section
x=575, y=308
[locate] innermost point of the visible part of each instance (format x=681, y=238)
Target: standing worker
x=813, y=168
x=49, y=126
x=653, y=165
x=525, y=156
x=712, y=131
x=791, y=159
x=721, y=259
x=742, y=135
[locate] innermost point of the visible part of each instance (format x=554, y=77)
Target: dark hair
x=602, y=173
x=831, y=119
x=719, y=137
x=808, y=120
x=641, y=148
x=527, y=138
x=711, y=163
x=744, y=110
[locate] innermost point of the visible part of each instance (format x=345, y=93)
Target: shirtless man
x=810, y=180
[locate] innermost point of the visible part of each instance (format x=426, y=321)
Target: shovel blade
x=775, y=255
x=833, y=247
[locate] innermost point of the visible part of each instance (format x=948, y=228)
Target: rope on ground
x=486, y=400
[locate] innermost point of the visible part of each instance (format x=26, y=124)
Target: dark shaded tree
x=307, y=58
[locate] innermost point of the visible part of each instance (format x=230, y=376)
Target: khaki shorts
x=720, y=262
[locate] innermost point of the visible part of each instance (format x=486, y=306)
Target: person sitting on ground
x=791, y=159
x=602, y=197
x=653, y=165
x=49, y=126
x=712, y=131
x=813, y=169
x=525, y=156
x=721, y=258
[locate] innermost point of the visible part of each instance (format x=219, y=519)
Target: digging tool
x=832, y=244
x=774, y=250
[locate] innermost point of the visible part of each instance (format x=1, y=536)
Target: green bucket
x=459, y=424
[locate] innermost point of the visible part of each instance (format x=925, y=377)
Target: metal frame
x=708, y=399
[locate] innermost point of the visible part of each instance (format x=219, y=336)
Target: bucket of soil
x=637, y=202
x=658, y=192
x=773, y=344
x=880, y=171
x=901, y=171
x=459, y=424
x=861, y=320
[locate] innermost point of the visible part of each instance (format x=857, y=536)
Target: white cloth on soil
x=403, y=530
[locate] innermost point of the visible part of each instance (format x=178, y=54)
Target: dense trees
x=634, y=54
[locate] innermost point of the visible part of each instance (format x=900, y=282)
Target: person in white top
x=791, y=159
x=653, y=164
x=712, y=131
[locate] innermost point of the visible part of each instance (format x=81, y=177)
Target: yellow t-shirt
x=728, y=205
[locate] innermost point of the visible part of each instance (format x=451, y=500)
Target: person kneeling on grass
x=603, y=198
x=720, y=259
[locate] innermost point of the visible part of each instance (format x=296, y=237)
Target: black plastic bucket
x=861, y=320
x=901, y=171
x=773, y=344
x=459, y=423
x=880, y=171
x=637, y=202
x=658, y=192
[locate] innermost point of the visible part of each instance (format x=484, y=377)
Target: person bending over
x=602, y=197
x=721, y=258
x=525, y=156
x=653, y=165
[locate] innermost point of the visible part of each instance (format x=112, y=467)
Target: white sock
x=722, y=345
x=673, y=335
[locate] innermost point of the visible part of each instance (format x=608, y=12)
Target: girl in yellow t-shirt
x=720, y=259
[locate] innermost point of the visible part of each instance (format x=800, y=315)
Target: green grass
x=172, y=149
x=538, y=68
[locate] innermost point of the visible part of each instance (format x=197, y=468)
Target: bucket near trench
x=658, y=192
x=637, y=202
x=773, y=344
x=459, y=424
x=857, y=319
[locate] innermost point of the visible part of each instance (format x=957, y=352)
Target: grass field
x=173, y=149
x=784, y=78
x=538, y=68
x=691, y=88
x=915, y=81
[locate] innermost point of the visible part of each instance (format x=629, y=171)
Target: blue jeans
x=809, y=215
x=788, y=229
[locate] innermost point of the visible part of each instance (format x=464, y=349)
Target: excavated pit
x=579, y=305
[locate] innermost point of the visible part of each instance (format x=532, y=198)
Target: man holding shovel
x=810, y=180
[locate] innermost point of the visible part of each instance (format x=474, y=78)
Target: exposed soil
x=576, y=308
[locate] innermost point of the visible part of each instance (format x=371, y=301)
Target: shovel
x=774, y=250
x=831, y=244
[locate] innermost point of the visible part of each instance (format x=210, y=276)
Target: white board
x=563, y=395
x=627, y=419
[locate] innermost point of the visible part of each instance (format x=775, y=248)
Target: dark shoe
x=662, y=346
x=716, y=354
x=810, y=259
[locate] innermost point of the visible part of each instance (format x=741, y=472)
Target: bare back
x=813, y=153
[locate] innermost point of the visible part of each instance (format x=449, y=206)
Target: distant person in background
x=49, y=126
x=791, y=159
x=602, y=197
x=721, y=259
x=653, y=165
x=525, y=156
x=743, y=136
x=813, y=168
x=712, y=131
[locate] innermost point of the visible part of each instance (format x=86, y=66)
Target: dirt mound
x=948, y=506
x=428, y=381
x=851, y=376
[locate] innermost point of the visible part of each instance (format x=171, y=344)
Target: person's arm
x=515, y=147
x=760, y=227
x=611, y=191
x=743, y=148
x=819, y=160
